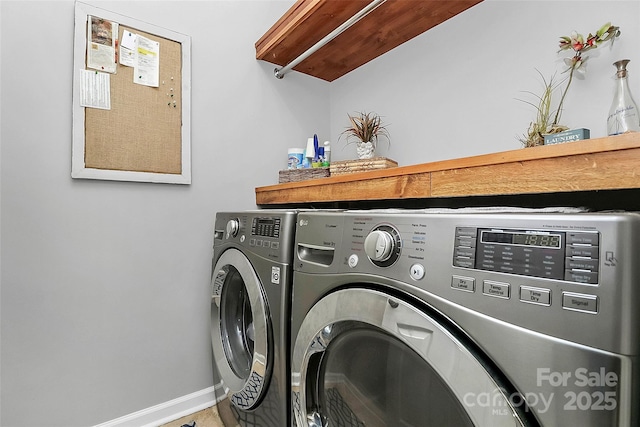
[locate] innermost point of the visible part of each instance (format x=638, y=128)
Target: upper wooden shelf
x=596, y=164
x=388, y=26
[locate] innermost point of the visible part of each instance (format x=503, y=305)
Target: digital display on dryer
x=541, y=240
x=527, y=252
x=565, y=255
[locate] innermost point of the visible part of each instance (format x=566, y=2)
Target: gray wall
x=452, y=91
x=105, y=284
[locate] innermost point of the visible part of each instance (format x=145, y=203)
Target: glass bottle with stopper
x=623, y=114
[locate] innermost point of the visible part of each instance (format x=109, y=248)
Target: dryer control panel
x=571, y=256
x=571, y=275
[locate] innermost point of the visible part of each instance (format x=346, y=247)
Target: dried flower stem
x=556, y=119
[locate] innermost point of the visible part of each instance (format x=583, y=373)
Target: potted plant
x=364, y=130
x=576, y=67
x=542, y=124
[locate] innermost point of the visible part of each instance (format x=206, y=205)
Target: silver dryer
x=466, y=318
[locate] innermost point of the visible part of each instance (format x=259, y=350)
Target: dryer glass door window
x=373, y=379
x=364, y=358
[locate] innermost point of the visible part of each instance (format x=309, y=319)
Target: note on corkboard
x=144, y=135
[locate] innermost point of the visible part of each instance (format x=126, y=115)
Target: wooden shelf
x=388, y=26
x=596, y=164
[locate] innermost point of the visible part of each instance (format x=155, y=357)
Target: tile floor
x=206, y=418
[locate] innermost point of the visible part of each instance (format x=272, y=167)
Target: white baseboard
x=167, y=411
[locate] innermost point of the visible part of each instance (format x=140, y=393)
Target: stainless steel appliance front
x=250, y=297
x=405, y=318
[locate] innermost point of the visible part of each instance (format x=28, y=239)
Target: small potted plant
x=365, y=129
x=542, y=125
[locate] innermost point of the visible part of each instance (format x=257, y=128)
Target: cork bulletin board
x=144, y=132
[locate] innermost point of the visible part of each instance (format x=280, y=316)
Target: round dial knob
x=233, y=225
x=379, y=245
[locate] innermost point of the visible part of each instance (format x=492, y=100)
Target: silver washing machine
x=466, y=318
x=251, y=291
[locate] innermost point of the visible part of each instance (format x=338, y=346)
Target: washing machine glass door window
x=364, y=358
x=236, y=323
x=240, y=329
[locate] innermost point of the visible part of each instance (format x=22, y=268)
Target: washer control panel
x=563, y=255
x=269, y=234
x=266, y=226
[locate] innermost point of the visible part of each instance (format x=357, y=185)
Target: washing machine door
x=240, y=329
x=363, y=358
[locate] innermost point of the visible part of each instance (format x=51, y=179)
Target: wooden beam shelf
x=386, y=27
x=596, y=164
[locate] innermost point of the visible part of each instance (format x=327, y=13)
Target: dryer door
x=240, y=329
x=364, y=358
